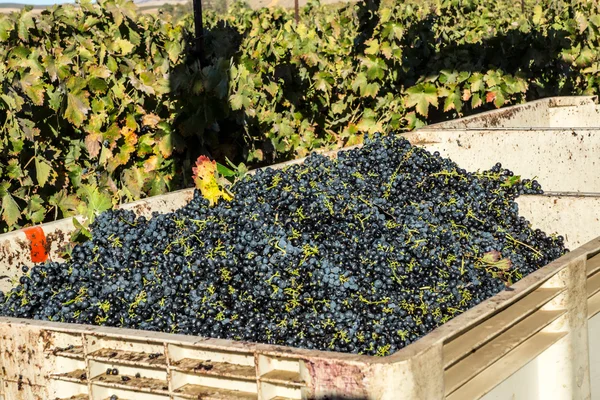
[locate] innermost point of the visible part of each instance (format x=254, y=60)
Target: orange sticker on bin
x=37, y=241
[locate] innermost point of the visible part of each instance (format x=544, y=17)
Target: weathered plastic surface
x=553, y=112
x=540, y=340
x=575, y=216
x=564, y=160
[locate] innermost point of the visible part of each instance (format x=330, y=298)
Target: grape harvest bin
x=538, y=341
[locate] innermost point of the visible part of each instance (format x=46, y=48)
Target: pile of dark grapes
x=363, y=253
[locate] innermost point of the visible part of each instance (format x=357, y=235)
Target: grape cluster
x=363, y=253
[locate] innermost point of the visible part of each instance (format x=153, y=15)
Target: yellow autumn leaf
x=125, y=150
x=150, y=164
x=150, y=120
x=205, y=178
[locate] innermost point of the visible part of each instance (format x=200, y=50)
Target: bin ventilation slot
x=474, y=363
x=593, y=265
x=143, y=384
x=207, y=367
x=471, y=340
x=593, y=305
x=104, y=393
x=271, y=392
x=191, y=391
x=77, y=376
x=130, y=357
x=505, y=367
x=593, y=284
x=65, y=390
x=75, y=352
x=287, y=378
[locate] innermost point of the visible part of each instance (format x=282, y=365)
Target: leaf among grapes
x=491, y=257
x=98, y=85
x=170, y=142
x=238, y=101
x=173, y=49
x=453, y=101
x=476, y=101
x=54, y=98
x=369, y=125
x=92, y=144
x=512, y=181
x=205, y=179
x=94, y=137
x=466, y=95
x=494, y=259
x=414, y=122
x=59, y=67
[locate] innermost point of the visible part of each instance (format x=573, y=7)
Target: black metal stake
x=199, y=30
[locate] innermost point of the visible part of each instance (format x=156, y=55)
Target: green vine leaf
x=421, y=97
x=42, y=170
x=13, y=169
x=24, y=25
x=238, y=101
x=32, y=87
x=10, y=210
x=135, y=180
x=6, y=26
x=78, y=107
x=28, y=128
x=511, y=181
x=496, y=96
x=65, y=202
x=35, y=210
x=96, y=201
x=124, y=46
